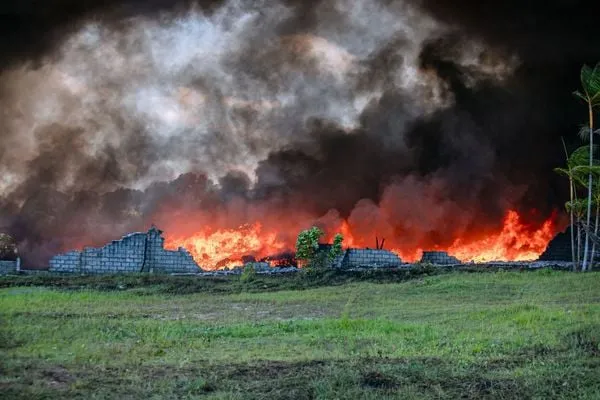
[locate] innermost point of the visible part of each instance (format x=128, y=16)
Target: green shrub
x=307, y=244
x=249, y=273
x=307, y=249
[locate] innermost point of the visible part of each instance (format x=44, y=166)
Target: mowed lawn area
x=503, y=335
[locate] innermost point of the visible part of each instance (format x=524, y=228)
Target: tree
x=307, y=244
x=336, y=248
x=590, y=82
x=569, y=173
x=576, y=171
x=307, y=248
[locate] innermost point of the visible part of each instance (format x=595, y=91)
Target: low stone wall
x=353, y=258
x=439, y=258
x=136, y=252
x=9, y=267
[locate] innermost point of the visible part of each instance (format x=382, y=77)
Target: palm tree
x=577, y=207
x=575, y=162
x=590, y=82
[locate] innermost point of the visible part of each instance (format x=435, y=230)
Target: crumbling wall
x=439, y=258
x=136, y=252
x=8, y=267
x=160, y=260
x=369, y=258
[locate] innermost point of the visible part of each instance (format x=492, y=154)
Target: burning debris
x=144, y=252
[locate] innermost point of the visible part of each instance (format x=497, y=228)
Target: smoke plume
x=419, y=121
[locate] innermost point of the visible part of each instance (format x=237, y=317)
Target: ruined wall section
x=167, y=261
x=439, y=258
x=369, y=258
x=9, y=267
x=136, y=252
x=66, y=263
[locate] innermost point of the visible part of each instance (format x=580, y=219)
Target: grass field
x=504, y=335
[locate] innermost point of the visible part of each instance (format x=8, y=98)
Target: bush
x=307, y=244
x=249, y=273
x=307, y=249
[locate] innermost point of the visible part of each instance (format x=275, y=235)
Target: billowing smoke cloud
x=419, y=122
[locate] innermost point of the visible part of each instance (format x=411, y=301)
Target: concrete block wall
x=369, y=257
x=168, y=261
x=439, y=258
x=136, y=252
x=66, y=263
x=9, y=267
x=120, y=256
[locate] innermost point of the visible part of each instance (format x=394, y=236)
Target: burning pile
x=220, y=248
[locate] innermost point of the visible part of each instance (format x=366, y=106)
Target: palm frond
x=581, y=156
x=590, y=81
x=577, y=206
x=586, y=169
x=584, y=133
x=563, y=171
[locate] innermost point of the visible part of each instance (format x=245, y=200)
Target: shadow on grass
x=565, y=372
x=165, y=284
x=146, y=284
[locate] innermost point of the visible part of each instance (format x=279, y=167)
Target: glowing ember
x=220, y=248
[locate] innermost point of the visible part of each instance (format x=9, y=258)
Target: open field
x=497, y=335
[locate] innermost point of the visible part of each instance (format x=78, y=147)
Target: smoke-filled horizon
x=423, y=123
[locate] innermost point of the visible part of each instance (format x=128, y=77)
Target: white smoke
x=218, y=92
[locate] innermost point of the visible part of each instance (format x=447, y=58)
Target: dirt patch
x=377, y=380
x=271, y=369
x=586, y=341
x=57, y=377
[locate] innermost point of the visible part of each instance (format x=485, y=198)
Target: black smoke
x=427, y=173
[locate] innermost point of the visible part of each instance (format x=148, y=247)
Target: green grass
x=502, y=335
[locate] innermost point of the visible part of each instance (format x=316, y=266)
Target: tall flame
x=516, y=242
x=220, y=248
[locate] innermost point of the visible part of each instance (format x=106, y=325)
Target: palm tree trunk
x=578, y=244
x=575, y=261
x=589, y=202
x=571, y=213
x=593, y=255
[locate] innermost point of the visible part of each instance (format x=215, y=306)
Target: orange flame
x=223, y=248
x=220, y=248
x=516, y=242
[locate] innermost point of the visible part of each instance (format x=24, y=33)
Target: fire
x=220, y=248
x=516, y=242
x=223, y=248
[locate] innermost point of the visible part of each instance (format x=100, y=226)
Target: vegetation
x=582, y=166
x=249, y=273
x=455, y=335
x=307, y=248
